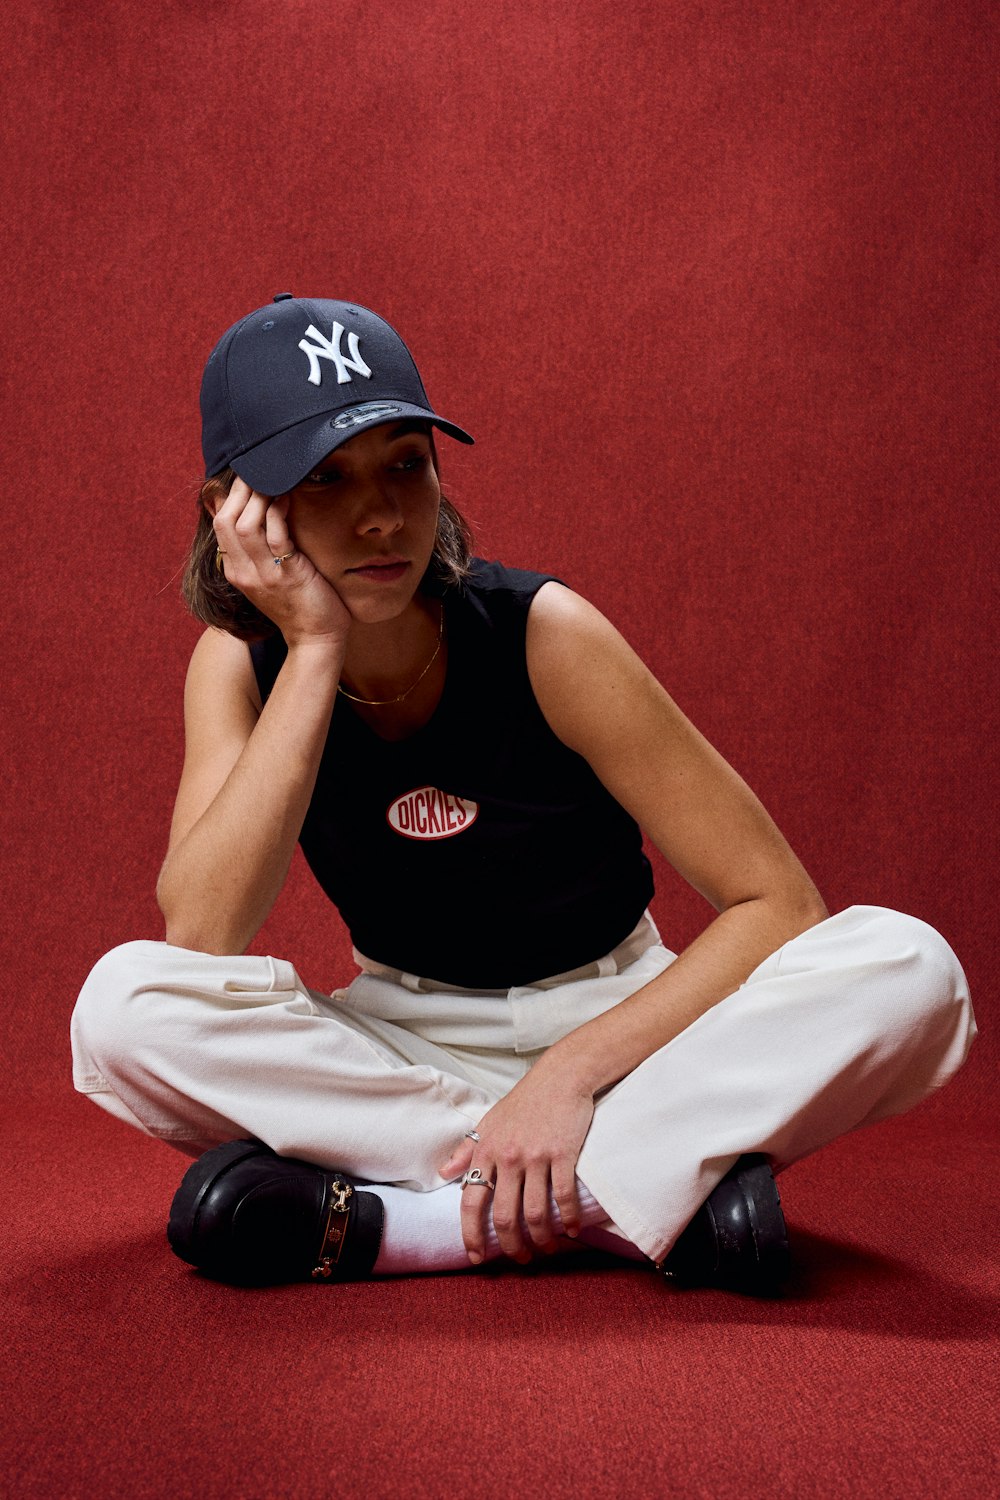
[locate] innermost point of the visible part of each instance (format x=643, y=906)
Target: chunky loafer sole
x=247, y=1216
x=737, y=1239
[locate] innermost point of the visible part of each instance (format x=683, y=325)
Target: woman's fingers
x=252, y=530
x=537, y=1206
x=249, y=528
x=234, y=504
x=276, y=532
x=531, y=1153
x=507, y=1213
x=458, y=1161
x=239, y=527
x=252, y=533
x=476, y=1203
x=505, y=1202
x=565, y=1194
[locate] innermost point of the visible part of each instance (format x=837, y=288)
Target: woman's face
x=367, y=517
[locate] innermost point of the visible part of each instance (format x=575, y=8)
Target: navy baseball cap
x=293, y=380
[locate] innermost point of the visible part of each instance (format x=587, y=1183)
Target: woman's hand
x=251, y=531
x=528, y=1145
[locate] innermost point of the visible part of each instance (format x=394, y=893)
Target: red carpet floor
x=126, y=1374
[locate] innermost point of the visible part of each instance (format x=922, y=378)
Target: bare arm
x=604, y=703
x=248, y=777
x=249, y=773
x=601, y=701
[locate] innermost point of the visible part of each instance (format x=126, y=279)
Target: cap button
x=283, y=296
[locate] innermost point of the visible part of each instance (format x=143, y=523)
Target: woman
x=467, y=754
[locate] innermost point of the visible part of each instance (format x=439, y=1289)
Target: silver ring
x=283, y=558
x=475, y=1178
x=472, y=1135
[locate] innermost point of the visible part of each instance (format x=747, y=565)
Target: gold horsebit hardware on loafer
x=336, y=1228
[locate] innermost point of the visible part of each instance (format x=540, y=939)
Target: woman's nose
x=380, y=511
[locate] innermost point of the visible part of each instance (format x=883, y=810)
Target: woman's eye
x=411, y=464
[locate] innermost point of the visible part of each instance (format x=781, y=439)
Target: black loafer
x=737, y=1239
x=244, y=1215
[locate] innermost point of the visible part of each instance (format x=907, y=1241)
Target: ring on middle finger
x=475, y=1178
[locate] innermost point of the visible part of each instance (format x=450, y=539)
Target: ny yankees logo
x=329, y=348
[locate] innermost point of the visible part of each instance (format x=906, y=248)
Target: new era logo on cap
x=368, y=411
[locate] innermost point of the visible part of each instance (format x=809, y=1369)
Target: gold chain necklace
x=383, y=702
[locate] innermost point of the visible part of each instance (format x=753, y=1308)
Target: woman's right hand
x=251, y=530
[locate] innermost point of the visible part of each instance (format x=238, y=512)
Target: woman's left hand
x=528, y=1145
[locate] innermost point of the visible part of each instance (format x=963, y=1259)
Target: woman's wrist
x=315, y=663
x=568, y=1067
x=319, y=648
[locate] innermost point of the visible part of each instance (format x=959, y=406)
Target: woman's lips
x=388, y=571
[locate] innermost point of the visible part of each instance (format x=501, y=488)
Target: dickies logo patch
x=426, y=813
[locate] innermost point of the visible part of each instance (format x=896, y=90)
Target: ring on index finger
x=283, y=558
x=475, y=1178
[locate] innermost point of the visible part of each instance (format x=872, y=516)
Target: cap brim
x=283, y=461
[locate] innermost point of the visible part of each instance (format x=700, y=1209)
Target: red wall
x=713, y=286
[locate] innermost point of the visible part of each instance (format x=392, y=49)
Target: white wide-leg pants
x=854, y=1020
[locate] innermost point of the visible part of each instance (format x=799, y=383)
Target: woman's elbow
x=795, y=907
x=191, y=923
x=805, y=907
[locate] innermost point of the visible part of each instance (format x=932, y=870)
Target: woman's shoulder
x=579, y=663
x=221, y=663
x=218, y=648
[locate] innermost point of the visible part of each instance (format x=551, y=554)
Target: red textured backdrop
x=713, y=285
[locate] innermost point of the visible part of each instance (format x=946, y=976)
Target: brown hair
x=211, y=598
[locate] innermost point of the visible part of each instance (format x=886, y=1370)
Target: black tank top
x=480, y=850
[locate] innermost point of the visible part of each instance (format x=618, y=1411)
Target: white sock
x=423, y=1231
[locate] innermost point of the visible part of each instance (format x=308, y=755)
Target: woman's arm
x=249, y=773
x=247, y=780
x=602, y=701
